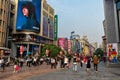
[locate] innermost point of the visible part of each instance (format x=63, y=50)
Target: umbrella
x=28, y=53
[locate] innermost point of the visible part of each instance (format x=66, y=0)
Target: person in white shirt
x=53, y=63
x=66, y=62
x=2, y=63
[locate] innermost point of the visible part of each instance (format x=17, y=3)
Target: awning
x=4, y=48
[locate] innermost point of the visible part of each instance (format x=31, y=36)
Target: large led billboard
x=45, y=26
x=28, y=15
x=51, y=29
x=112, y=52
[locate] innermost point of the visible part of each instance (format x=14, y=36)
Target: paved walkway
x=24, y=72
x=67, y=74
x=44, y=72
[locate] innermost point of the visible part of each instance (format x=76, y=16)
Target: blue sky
x=85, y=17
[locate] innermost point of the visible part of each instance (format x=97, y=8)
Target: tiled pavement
x=43, y=72
x=104, y=73
x=24, y=72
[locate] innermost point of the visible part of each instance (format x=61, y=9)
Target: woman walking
x=88, y=65
x=75, y=63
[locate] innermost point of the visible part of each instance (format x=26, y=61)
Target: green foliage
x=54, y=50
x=99, y=52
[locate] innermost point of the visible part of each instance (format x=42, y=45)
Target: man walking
x=95, y=62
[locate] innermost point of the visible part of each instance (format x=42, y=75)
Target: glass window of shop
x=33, y=48
x=27, y=49
x=21, y=53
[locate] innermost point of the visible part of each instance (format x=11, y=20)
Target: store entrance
x=26, y=49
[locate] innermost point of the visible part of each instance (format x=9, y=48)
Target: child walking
x=16, y=68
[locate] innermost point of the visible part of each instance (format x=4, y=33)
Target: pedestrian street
x=103, y=73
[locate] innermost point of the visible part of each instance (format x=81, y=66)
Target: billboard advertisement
x=78, y=47
x=51, y=28
x=66, y=44
x=69, y=44
x=55, y=27
x=112, y=52
x=45, y=26
x=28, y=15
x=61, y=43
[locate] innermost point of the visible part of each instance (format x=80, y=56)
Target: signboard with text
x=55, y=27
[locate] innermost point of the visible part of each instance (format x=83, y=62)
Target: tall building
x=111, y=20
x=33, y=26
x=112, y=25
x=4, y=7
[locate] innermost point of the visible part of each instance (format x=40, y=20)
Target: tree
x=54, y=50
x=99, y=52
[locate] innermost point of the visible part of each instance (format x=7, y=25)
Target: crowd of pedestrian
x=88, y=60
x=61, y=61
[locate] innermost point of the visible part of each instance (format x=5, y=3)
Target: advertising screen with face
x=28, y=15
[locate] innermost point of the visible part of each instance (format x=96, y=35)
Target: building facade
x=4, y=10
x=75, y=43
x=33, y=30
x=112, y=25
x=11, y=19
x=4, y=7
x=111, y=21
x=104, y=42
x=87, y=48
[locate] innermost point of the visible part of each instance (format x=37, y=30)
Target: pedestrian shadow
x=96, y=74
x=117, y=74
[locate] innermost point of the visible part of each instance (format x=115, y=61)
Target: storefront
x=5, y=54
x=28, y=44
x=27, y=49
